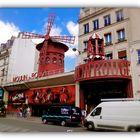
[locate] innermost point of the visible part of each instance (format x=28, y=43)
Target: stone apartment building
x=17, y=57
x=5, y=51
x=120, y=29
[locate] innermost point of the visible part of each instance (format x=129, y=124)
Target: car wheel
x=90, y=126
x=44, y=121
x=132, y=129
x=63, y=123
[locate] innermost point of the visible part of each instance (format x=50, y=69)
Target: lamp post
x=78, y=55
x=75, y=49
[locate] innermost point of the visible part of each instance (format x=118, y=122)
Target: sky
x=15, y=20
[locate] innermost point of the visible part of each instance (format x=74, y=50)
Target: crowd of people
x=24, y=112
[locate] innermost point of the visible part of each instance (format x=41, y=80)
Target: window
x=54, y=111
x=108, y=39
x=85, y=45
x=96, y=112
x=108, y=56
x=47, y=60
x=54, y=60
x=86, y=28
x=107, y=20
x=138, y=56
x=121, y=35
x=122, y=55
x=3, y=72
x=96, y=24
x=60, y=61
x=119, y=15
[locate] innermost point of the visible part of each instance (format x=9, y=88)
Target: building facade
x=108, y=66
x=23, y=59
x=17, y=57
x=121, y=32
x=5, y=51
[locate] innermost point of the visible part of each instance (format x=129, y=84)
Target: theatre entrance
x=95, y=90
x=39, y=110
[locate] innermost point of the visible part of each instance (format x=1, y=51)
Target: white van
x=117, y=114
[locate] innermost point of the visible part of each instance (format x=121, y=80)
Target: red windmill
x=52, y=51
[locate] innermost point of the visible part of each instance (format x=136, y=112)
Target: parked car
x=2, y=108
x=63, y=115
x=121, y=115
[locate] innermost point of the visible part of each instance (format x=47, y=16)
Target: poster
x=17, y=97
x=62, y=95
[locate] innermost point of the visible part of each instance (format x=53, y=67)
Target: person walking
x=28, y=112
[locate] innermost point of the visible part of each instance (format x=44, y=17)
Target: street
x=14, y=124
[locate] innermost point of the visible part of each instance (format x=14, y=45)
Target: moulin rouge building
x=84, y=87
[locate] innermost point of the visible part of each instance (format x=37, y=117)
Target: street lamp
x=75, y=49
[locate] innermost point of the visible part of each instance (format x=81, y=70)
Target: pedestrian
x=28, y=112
x=19, y=112
x=24, y=112
x=84, y=114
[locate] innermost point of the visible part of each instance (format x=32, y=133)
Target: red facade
x=51, y=57
x=54, y=95
x=103, y=69
x=95, y=49
x=58, y=95
x=99, y=78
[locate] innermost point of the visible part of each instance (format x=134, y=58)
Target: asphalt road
x=30, y=125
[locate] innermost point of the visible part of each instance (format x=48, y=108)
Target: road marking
x=69, y=130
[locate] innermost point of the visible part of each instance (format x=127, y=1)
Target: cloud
x=73, y=30
x=55, y=31
x=70, y=53
x=7, y=30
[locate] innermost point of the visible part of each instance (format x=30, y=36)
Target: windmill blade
x=28, y=35
x=65, y=39
x=51, y=18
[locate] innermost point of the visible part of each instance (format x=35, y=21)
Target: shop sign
x=35, y=75
x=17, y=97
x=103, y=69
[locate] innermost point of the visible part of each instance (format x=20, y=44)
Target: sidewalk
x=31, y=119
